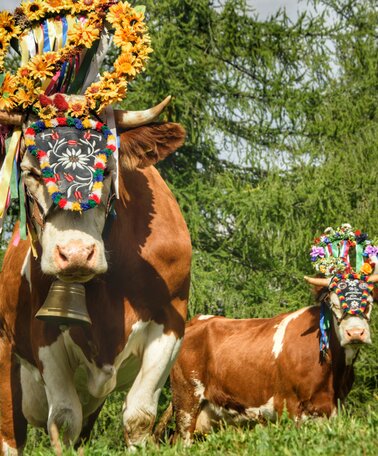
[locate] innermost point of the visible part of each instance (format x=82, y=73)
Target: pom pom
x=60, y=102
x=45, y=101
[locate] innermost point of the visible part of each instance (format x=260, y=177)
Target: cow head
x=71, y=241
x=350, y=298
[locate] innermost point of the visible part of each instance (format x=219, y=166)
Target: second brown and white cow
x=252, y=369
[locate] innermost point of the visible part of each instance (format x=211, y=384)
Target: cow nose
x=356, y=335
x=75, y=254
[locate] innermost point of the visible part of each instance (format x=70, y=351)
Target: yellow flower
x=8, y=25
x=117, y=12
x=366, y=269
x=7, y=91
x=25, y=96
x=84, y=5
x=78, y=109
x=122, y=36
x=55, y=6
x=40, y=68
x=34, y=10
x=124, y=64
x=83, y=34
x=48, y=112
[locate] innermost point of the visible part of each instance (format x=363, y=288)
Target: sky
x=262, y=7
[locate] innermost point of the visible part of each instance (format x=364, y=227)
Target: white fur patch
x=25, y=270
x=279, y=335
x=266, y=411
x=205, y=317
x=9, y=451
x=212, y=414
x=351, y=353
x=199, y=390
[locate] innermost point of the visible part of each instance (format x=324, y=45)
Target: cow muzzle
x=76, y=261
x=356, y=335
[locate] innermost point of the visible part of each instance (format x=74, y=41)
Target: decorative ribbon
x=359, y=256
x=110, y=122
x=22, y=200
x=6, y=170
x=39, y=38
x=325, y=327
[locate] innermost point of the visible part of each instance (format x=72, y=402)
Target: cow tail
x=161, y=428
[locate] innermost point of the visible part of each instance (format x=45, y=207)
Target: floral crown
x=331, y=253
x=62, y=43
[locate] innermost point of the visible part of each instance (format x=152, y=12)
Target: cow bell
x=65, y=305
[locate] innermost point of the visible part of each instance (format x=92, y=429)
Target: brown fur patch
x=146, y=145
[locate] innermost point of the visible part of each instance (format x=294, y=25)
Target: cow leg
x=13, y=423
x=65, y=411
x=139, y=412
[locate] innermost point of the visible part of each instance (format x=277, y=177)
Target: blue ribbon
x=46, y=39
x=325, y=327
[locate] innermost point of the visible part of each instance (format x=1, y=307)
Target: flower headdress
x=331, y=252
x=58, y=41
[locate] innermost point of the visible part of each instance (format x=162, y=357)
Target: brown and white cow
x=137, y=284
x=237, y=371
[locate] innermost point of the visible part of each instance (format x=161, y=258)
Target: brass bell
x=65, y=305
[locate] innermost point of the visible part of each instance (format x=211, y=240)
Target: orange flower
x=55, y=6
x=366, y=269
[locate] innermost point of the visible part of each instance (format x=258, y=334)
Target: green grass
x=353, y=432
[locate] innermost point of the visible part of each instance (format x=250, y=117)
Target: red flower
x=357, y=232
x=72, y=142
x=78, y=195
x=87, y=135
x=55, y=135
x=57, y=177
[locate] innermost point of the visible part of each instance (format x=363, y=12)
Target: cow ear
x=144, y=146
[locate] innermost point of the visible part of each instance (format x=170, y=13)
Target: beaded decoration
x=83, y=148
x=353, y=291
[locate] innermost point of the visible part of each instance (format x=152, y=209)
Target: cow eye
x=34, y=172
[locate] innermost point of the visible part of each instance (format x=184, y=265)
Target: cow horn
x=11, y=118
x=132, y=119
x=373, y=278
x=319, y=281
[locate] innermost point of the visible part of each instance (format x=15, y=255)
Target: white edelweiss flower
x=73, y=158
